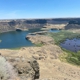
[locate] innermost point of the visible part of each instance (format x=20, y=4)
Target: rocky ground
x=40, y=63
x=40, y=39
x=54, y=26
x=74, y=30
x=25, y=24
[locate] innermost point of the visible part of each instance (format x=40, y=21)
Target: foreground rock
x=27, y=61
x=25, y=68
x=16, y=68
x=7, y=72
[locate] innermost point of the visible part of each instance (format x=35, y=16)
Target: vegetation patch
x=71, y=57
x=67, y=56
x=63, y=35
x=39, y=44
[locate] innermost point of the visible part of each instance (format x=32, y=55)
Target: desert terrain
x=39, y=62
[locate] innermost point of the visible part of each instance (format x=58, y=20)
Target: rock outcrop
x=40, y=39
x=7, y=71
x=72, y=27
x=34, y=64
x=13, y=25
x=25, y=68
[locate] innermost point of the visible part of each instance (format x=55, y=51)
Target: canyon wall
x=12, y=25
x=23, y=24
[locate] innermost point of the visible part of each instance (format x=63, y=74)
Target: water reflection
x=72, y=45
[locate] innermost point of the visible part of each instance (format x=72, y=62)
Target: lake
x=15, y=39
x=72, y=45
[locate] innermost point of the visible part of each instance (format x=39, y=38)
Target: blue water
x=15, y=39
x=72, y=45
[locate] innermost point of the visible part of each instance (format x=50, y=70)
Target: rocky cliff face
x=72, y=27
x=17, y=68
x=26, y=68
x=7, y=71
x=73, y=24
x=12, y=25
x=23, y=24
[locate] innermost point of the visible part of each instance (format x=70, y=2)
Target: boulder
x=34, y=64
x=7, y=71
x=27, y=69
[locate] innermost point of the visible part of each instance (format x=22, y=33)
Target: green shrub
x=39, y=44
x=72, y=57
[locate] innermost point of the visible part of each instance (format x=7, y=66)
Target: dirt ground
x=50, y=66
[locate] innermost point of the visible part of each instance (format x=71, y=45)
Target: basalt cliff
x=24, y=24
x=13, y=25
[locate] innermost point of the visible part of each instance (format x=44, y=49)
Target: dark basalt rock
x=27, y=38
x=34, y=64
x=18, y=30
x=12, y=23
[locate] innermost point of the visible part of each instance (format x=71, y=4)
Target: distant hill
x=73, y=24
x=23, y=24
x=12, y=25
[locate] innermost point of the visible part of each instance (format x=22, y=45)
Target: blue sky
x=11, y=9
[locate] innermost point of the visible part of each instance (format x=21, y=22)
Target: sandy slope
x=50, y=67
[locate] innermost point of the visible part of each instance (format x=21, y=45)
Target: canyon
x=41, y=62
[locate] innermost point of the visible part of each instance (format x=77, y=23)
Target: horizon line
x=41, y=18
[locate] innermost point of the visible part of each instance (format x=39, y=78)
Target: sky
x=28, y=9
